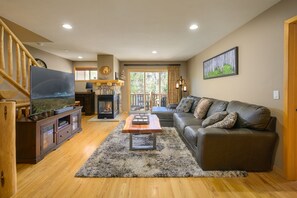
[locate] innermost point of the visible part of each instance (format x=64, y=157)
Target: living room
x=260, y=80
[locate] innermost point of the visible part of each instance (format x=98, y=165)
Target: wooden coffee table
x=137, y=130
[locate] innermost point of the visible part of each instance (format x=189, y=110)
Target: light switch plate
x=276, y=95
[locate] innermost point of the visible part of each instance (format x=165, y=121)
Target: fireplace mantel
x=107, y=82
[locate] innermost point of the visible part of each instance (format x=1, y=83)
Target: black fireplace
x=108, y=106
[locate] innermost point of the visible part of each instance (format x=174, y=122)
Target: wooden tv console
x=35, y=139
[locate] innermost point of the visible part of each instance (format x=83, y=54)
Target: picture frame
x=222, y=65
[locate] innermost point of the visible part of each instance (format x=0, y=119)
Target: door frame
x=140, y=70
x=290, y=96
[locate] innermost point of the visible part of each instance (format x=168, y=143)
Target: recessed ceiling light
x=67, y=26
x=80, y=57
x=193, y=27
x=154, y=52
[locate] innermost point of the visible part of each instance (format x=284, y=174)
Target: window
x=147, y=89
x=86, y=73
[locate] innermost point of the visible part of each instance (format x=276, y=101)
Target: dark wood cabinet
x=87, y=100
x=35, y=139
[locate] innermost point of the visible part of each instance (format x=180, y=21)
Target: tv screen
x=50, y=90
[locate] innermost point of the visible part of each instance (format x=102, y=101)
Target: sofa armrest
x=172, y=106
x=235, y=149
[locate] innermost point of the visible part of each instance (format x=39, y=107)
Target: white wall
x=261, y=47
x=52, y=61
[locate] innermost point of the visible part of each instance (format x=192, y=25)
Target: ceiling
x=130, y=29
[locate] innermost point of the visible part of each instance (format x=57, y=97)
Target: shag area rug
x=171, y=159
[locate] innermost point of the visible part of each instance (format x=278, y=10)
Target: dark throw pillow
x=185, y=105
x=227, y=123
x=214, y=118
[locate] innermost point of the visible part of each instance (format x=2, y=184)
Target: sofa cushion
x=185, y=105
x=250, y=115
x=218, y=116
x=202, y=108
x=195, y=103
x=190, y=135
x=163, y=113
x=227, y=123
x=181, y=121
x=217, y=106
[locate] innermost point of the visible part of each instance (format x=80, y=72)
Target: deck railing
x=140, y=102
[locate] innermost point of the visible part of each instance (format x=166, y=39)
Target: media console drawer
x=64, y=134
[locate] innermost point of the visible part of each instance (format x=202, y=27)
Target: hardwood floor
x=54, y=176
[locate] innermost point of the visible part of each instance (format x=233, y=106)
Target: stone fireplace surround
x=109, y=93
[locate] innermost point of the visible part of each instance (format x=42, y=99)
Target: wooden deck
x=54, y=176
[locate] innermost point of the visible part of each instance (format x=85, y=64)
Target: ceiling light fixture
x=154, y=52
x=193, y=27
x=67, y=26
x=80, y=57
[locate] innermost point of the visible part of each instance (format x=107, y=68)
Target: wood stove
x=108, y=106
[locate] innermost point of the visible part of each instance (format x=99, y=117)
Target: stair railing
x=13, y=52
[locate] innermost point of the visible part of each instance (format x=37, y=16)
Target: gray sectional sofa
x=250, y=145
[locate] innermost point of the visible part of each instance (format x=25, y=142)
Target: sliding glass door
x=147, y=89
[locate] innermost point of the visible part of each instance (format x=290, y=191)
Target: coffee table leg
x=154, y=141
x=131, y=141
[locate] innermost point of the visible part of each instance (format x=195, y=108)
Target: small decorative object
x=225, y=64
x=109, y=84
x=123, y=77
x=41, y=63
x=105, y=70
x=116, y=75
x=89, y=87
x=141, y=119
x=181, y=84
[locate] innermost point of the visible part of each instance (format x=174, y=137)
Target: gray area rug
x=171, y=159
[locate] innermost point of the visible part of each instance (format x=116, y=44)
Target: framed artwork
x=224, y=64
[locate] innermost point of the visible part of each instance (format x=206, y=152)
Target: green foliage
x=47, y=104
x=151, y=82
x=221, y=71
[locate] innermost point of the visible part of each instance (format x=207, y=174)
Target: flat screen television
x=50, y=90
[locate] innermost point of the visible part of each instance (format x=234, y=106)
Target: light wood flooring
x=54, y=176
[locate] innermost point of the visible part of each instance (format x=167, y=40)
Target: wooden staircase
x=15, y=61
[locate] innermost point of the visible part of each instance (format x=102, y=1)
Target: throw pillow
x=202, y=108
x=214, y=118
x=184, y=105
x=195, y=103
x=227, y=123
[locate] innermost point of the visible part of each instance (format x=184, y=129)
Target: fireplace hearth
x=108, y=106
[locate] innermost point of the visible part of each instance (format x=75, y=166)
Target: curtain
x=173, y=76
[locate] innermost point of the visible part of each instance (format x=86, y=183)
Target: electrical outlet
x=276, y=95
